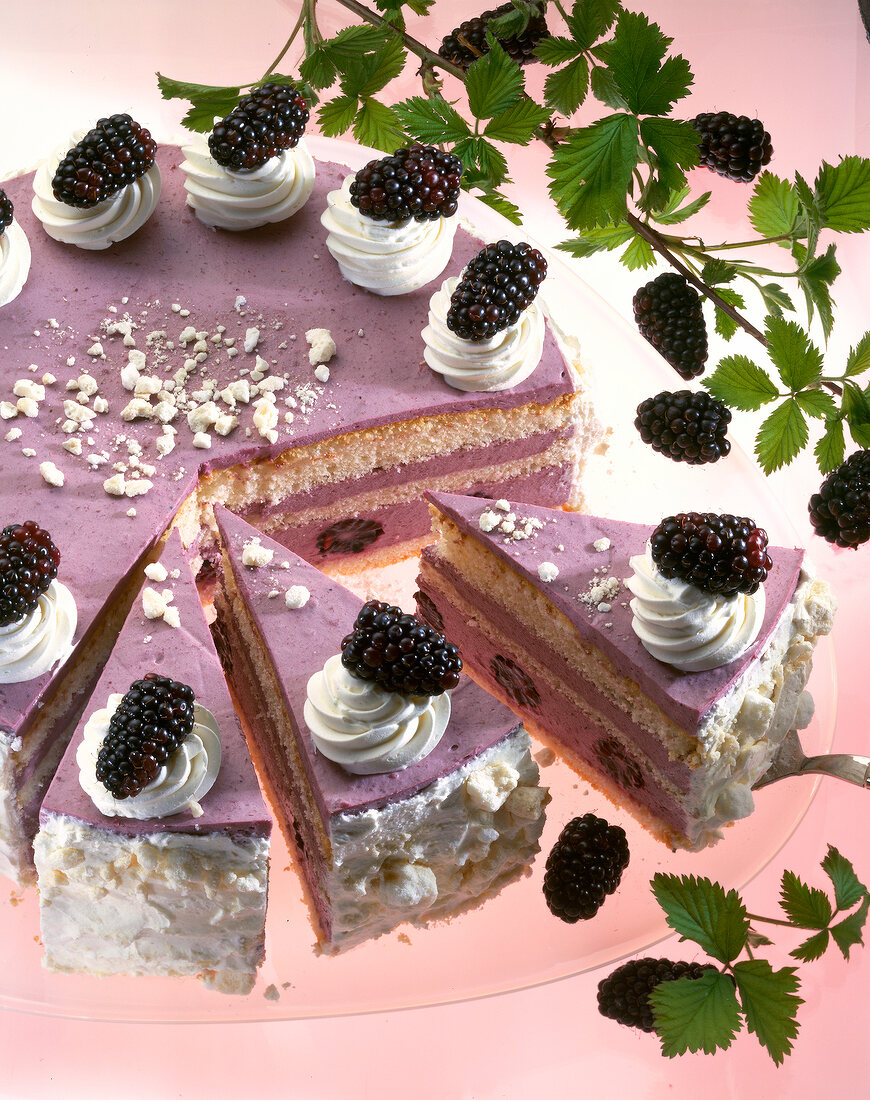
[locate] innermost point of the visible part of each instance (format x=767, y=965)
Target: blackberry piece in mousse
x=840, y=510
x=28, y=564
x=685, y=426
x=669, y=315
x=150, y=724
x=419, y=182
x=6, y=211
x=467, y=42
x=399, y=652
x=734, y=146
x=585, y=865
x=722, y=554
x=624, y=994
x=497, y=285
x=117, y=152
x=261, y=125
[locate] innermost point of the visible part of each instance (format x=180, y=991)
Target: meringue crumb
x=156, y=572
x=254, y=555
x=51, y=475
x=297, y=596
x=600, y=545
x=547, y=571
x=321, y=345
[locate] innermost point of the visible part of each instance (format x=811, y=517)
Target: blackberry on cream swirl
x=14, y=261
x=42, y=639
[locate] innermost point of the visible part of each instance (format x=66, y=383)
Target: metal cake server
x=790, y=760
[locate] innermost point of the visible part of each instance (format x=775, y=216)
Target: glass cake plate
x=511, y=941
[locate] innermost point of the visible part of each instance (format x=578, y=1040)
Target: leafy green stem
x=300, y=22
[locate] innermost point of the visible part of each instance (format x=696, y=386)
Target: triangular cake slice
x=536, y=601
x=415, y=844
x=186, y=892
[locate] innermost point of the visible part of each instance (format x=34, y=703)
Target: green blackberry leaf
x=336, y=117
x=504, y=206
x=774, y=209
x=818, y=404
x=693, y=1014
x=775, y=299
x=741, y=384
x=798, y=362
x=634, y=55
x=769, y=1003
x=850, y=931
x=806, y=906
x=182, y=89
x=433, y=121
x=515, y=21
x=556, y=50
x=831, y=448
x=604, y=239
x=812, y=948
x=810, y=213
x=758, y=939
x=783, y=435
x=377, y=125
x=350, y=42
x=209, y=106
x=492, y=162
x=590, y=19
x=494, y=83
x=318, y=68
x=381, y=68
x=843, y=192
x=517, y=123
x=604, y=88
x=847, y=889
x=639, y=254
x=716, y=272
x=565, y=89
x=701, y=910
x=591, y=172
x=856, y=409
x=675, y=145
x=419, y=7
x=859, y=357
x=673, y=212
x=726, y=326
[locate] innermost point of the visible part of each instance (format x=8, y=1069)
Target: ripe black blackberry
x=150, y=724
x=6, y=211
x=721, y=554
x=840, y=510
x=419, y=182
x=108, y=158
x=496, y=286
x=400, y=652
x=585, y=865
x=668, y=313
x=467, y=42
x=263, y=124
x=624, y=994
x=735, y=147
x=28, y=565
x=685, y=426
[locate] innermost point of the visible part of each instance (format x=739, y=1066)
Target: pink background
x=803, y=68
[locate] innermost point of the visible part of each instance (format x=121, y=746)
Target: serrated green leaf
x=850, y=931
x=433, y=121
x=590, y=19
x=556, y=50
x=805, y=905
x=675, y=145
x=419, y=7
x=591, y=171
x=492, y=162
x=818, y=404
x=377, y=125
x=672, y=213
x=517, y=123
x=758, y=939
x=639, y=254
x=741, y=384
x=388, y=63
x=859, y=357
x=775, y=299
x=798, y=361
x=504, y=206
x=848, y=890
x=494, y=82
x=783, y=435
x=810, y=213
x=812, y=948
x=597, y=240
x=696, y=1013
x=774, y=208
x=726, y=326
x=336, y=117
x=182, y=89
x=831, y=448
x=515, y=21
x=715, y=272
x=209, y=106
x=318, y=69
x=843, y=193
x=769, y=1002
x=352, y=41
x=565, y=89
x=856, y=409
x=860, y=433
x=818, y=297
x=701, y=910
x=635, y=55
x=603, y=85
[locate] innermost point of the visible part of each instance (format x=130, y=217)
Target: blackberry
x=585, y=865
x=840, y=510
x=6, y=211
x=400, y=652
x=496, y=286
x=668, y=314
x=685, y=426
x=624, y=995
x=151, y=723
x=467, y=42
x=419, y=182
x=735, y=147
x=28, y=565
x=261, y=125
x=517, y=683
x=723, y=555
x=348, y=536
x=115, y=153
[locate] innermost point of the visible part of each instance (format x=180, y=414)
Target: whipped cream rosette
x=14, y=253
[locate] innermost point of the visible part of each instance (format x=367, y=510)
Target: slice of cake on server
x=668, y=678
x=153, y=847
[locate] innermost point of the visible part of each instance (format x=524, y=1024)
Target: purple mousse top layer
x=566, y=539
x=185, y=653
x=298, y=644
x=174, y=274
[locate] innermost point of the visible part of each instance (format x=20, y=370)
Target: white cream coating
x=491, y=365
x=367, y=730
x=14, y=262
x=387, y=258
x=244, y=200
x=685, y=627
x=41, y=640
x=187, y=776
x=440, y=851
x=94, y=227
x=162, y=903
